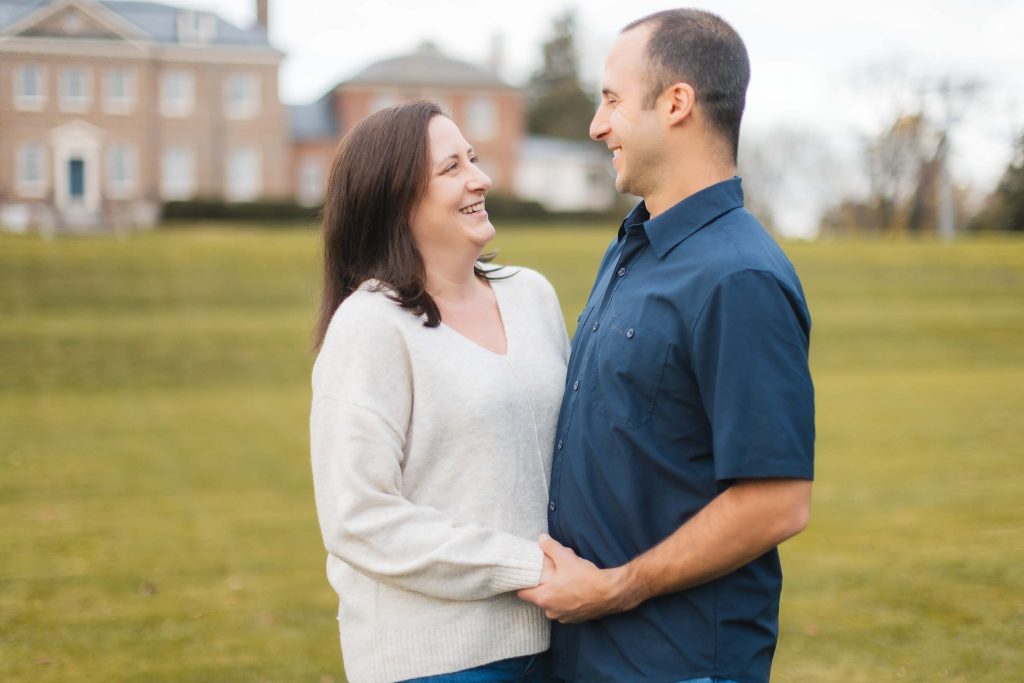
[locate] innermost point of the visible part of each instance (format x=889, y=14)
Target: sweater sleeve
x=547, y=301
x=362, y=405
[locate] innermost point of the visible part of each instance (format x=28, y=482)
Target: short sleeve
x=750, y=358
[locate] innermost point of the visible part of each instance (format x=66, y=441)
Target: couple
x=449, y=437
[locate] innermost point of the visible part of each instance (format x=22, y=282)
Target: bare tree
x=787, y=171
x=907, y=157
x=894, y=161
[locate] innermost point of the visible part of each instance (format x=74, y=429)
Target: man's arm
x=744, y=522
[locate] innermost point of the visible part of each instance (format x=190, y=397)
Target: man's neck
x=701, y=163
x=685, y=185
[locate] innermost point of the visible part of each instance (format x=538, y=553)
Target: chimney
x=261, y=15
x=496, y=60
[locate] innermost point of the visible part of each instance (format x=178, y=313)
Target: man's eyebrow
x=606, y=92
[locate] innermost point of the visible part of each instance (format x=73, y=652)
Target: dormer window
x=196, y=27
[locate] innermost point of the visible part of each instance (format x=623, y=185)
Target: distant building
x=565, y=175
x=108, y=109
x=488, y=110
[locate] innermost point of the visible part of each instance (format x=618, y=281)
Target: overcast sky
x=809, y=58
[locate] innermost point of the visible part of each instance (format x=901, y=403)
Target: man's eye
x=474, y=160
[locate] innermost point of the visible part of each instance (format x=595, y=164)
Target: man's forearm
x=741, y=524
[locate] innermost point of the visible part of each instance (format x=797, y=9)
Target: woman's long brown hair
x=378, y=176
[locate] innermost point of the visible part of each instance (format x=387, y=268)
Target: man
x=684, y=450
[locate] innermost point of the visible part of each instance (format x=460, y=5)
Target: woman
x=435, y=396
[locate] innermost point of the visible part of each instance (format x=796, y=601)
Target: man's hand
x=573, y=589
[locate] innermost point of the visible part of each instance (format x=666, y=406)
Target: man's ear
x=678, y=101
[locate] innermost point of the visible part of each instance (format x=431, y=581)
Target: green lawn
x=158, y=522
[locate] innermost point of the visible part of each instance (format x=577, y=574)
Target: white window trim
x=120, y=105
x=441, y=99
x=178, y=188
x=383, y=99
x=35, y=189
x=23, y=102
x=243, y=109
x=76, y=104
x=477, y=130
x=181, y=108
x=235, y=192
x=196, y=28
x=124, y=188
x=311, y=181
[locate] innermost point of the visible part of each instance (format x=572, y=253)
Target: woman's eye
x=451, y=168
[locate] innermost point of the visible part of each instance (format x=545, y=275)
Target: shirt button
x=593, y=328
x=559, y=445
x=622, y=271
x=576, y=385
x=552, y=506
x=630, y=333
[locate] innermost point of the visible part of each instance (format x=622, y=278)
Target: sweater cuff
x=522, y=562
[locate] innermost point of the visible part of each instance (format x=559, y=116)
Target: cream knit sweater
x=431, y=459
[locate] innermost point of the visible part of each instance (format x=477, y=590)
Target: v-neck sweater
x=431, y=462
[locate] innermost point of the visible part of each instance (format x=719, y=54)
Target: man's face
x=632, y=132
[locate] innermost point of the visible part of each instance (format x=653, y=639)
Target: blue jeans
x=527, y=669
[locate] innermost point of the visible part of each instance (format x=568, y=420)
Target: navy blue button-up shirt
x=688, y=371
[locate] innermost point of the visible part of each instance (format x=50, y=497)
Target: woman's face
x=450, y=215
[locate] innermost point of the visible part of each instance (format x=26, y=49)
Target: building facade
x=489, y=111
x=109, y=109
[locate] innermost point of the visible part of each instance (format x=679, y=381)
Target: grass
x=156, y=497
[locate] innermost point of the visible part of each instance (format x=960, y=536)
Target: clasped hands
x=572, y=589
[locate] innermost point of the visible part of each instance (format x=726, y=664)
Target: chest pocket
x=628, y=369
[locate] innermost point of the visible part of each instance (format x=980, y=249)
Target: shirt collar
x=687, y=217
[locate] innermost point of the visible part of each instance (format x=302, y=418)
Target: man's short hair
x=700, y=48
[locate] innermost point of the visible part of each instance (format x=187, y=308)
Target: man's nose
x=599, y=125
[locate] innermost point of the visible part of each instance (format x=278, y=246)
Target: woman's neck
x=451, y=278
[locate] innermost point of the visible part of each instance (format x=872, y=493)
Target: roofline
x=216, y=53
x=356, y=84
x=98, y=12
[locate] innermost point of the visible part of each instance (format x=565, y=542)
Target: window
x=177, y=173
x=74, y=89
x=30, y=87
x=241, y=96
x=244, y=174
x=311, y=182
x=481, y=119
x=383, y=100
x=177, y=93
x=196, y=27
x=440, y=100
x=31, y=171
x=119, y=91
x=121, y=171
